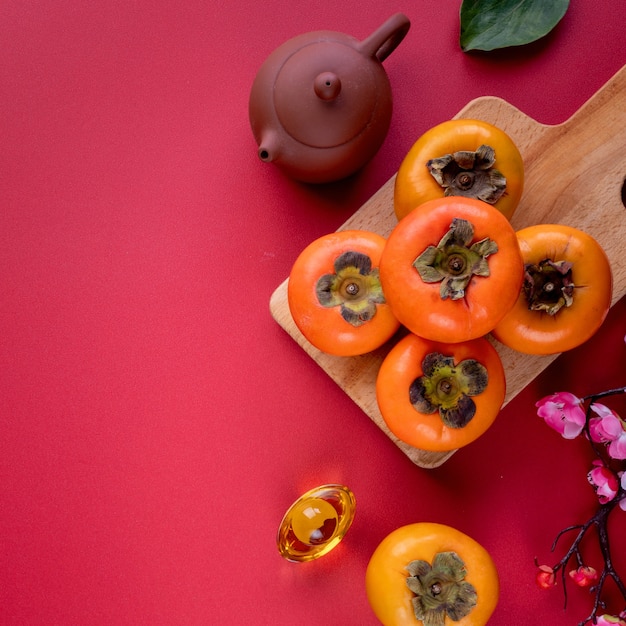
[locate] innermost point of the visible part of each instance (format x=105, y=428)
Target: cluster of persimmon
x=452, y=272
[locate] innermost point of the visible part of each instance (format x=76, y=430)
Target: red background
x=156, y=422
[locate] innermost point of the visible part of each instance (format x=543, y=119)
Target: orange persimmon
x=431, y=568
x=335, y=296
x=566, y=293
x=451, y=269
x=440, y=397
x=462, y=157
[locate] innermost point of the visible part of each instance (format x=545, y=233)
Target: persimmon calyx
x=354, y=287
x=448, y=388
x=440, y=589
x=548, y=286
x=453, y=261
x=469, y=174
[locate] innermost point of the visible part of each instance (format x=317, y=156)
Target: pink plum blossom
x=563, y=412
x=608, y=428
x=610, y=620
x=604, y=481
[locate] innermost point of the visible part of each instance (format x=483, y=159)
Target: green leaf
x=492, y=24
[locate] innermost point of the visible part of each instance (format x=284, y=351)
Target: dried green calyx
x=440, y=589
x=548, y=286
x=354, y=287
x=469, y=174
x=448, y=388
x=453, y=261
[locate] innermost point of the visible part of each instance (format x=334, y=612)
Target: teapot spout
x=269, y=149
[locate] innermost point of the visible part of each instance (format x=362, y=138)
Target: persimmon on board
x=451, y=269
x=461, y=157
x=440, y=397
x=335, y=296
x=566, y=293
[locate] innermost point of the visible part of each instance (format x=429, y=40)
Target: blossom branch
x=604, y=394
x=606, y=432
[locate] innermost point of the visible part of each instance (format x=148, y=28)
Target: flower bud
x=584, y=576
x=546, y=578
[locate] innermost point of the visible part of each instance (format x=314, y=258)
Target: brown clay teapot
x=320, y=105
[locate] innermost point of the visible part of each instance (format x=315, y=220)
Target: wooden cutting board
x=574, y=174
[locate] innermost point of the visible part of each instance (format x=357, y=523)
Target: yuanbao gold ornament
x=315, y=523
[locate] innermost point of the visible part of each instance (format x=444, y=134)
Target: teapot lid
x=326, y=93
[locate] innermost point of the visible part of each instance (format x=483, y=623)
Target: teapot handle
x=384, y=40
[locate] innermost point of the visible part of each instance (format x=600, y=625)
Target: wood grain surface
x=574, y=174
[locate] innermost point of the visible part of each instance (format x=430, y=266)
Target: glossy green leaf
x=492, y=24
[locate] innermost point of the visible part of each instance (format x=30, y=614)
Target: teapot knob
x=327, y=85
